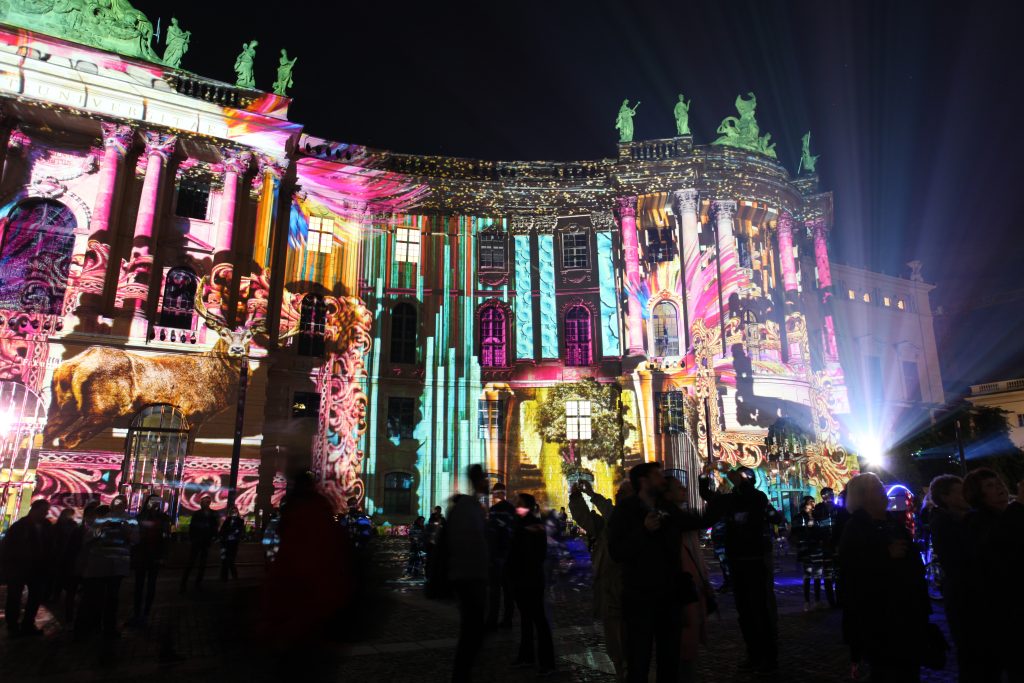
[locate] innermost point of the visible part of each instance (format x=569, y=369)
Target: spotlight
x=871, y=450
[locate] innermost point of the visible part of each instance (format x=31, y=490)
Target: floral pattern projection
x=704, y=367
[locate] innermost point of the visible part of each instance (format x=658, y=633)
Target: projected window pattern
x=398, y=493
x=493, y=255
x=490, y=419
x=35, y=258
x=193, y=199
x=578, y=347
x=493, y=329
x=312, y=325
x=321, y=235
x=661, y=246
x=179, y=299
x=670, y=412
x=577, y=420
x=575, y=251
x=407, y=245
x=401, y=417
x=665, y=324
x=403, y=334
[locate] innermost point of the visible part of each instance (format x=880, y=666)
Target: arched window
x=38, y=239
x=492, y=337
x=665, y=327
x=397, y=493
x=179, y=299
x=578, y=349
x=403, y=334
x=154, y=459
x=312, y=325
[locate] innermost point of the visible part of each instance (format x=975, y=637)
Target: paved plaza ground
x=404, y=637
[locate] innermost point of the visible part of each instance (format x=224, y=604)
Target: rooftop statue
x=284, y=74
x=807, y=160
x=244, y=65
x=624, y=121
x=682, y=114
x=177, y=44
x=743, y=132
x=105, y=24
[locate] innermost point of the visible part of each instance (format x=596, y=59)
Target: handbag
x=934, y=647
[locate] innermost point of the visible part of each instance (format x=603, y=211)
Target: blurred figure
x=645, y=536
x=202, y=529
x=945, y=512
x=108, y=560
x=885, y=604
x=82, y=542
x=826, y=516
x=807, y=536
x=695, y=614
x=466, y=532
x=748, y=517
x=148, y=555
x=993, y=568
x=231, y=533
x=26, y=554
x=358, y=526
x=501, y=520
x=607, y=582
x=310, y=582
x=526, y=567
x=414, y=565
x=431, y=537
x=66, y=542
x=718, y=547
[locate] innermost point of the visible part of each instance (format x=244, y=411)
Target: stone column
x=235, y=165
x=686, y=211
x=117, y=141
x=728, y=261
x=817, y=226
x=786, y=259
x=7, y=124
x=631, y=252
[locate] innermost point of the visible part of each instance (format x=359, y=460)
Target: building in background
x=1007, y=395
x=886, y=335
x=192, y=288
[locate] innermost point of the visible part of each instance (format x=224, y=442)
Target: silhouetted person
x=946, y=510
x=526, y=567
x=501, y=520
x=466, y=531
x=807, y=537
x=826, y=515
x=695, y=613
x=431, y=537
x=231, y=532
x=26, y=554
x=83, y=542
x=417, y=534
x=645, y=536
x=148, y=555
x=885, y=598
x=748, y=517
x=108, y=560
x=202, y=529
x=66, y=542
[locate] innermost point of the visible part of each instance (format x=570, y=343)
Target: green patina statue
x=177, y=44
x=244, y=64
x=743, y=132
x=682, y=114
x=284, y=74
x=624, y=121
x=105, y=24
x=807, y=160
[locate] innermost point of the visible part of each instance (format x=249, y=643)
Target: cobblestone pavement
x=403, y=637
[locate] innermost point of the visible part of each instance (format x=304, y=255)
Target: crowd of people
x=77, y=566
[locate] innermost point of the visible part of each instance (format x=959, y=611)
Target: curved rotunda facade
x=386, y=319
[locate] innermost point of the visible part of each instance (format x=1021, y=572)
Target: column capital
x=627, y=206
x=686, y=200
x=236, y=161
x=276, y=167
x=159, y=144
x=785, y=222
x=18, y=140
x=724, y=208
x=117, y=137
x=817, y=225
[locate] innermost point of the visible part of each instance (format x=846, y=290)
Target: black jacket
x=527, y=552
x=203, y=526
x=748, y=517
x=501, y=519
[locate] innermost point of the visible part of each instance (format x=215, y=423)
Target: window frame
x=655, y=339
x=399, y=408
x=490, y=346
x=401, y=494
x=186, y=299
x=312, y=326
x=578, y=349
x=581, y=251
x=194, y=187
x=403, y=345
x=407, y=245
x=579, y=420
x=22, y=250
x=490, y=414
x=490, y=242
x=671, y=416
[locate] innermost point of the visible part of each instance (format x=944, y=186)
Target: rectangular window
x=305, y=404
x=492, y=252
x=886, y=301
x=321, y=235
x=193, y=198
x=851, y=294
x=407, y=245
x=1020, y=420
x=490, y=419
x=911, y=381
x=401, y=417
x=661, y=247
x=575, y=251
x=397, y=493
x=670, y=412
x=577, y=420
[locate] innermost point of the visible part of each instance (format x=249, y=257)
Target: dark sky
x=915, y=108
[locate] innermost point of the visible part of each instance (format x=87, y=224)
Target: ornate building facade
x=194, y=290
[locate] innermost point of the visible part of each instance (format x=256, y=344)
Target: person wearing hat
x=748, y=516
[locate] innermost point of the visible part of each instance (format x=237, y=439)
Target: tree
x=608, y=425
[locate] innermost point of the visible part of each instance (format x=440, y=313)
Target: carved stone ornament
x=627, y=206
x=724, y=208
x=117, y=137
x=602, y=220
x=685, y=201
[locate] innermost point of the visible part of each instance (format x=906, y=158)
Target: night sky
x=915, y=107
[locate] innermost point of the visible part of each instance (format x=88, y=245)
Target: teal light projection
x=548, y=306
x=609, y=304
x=524, y=299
